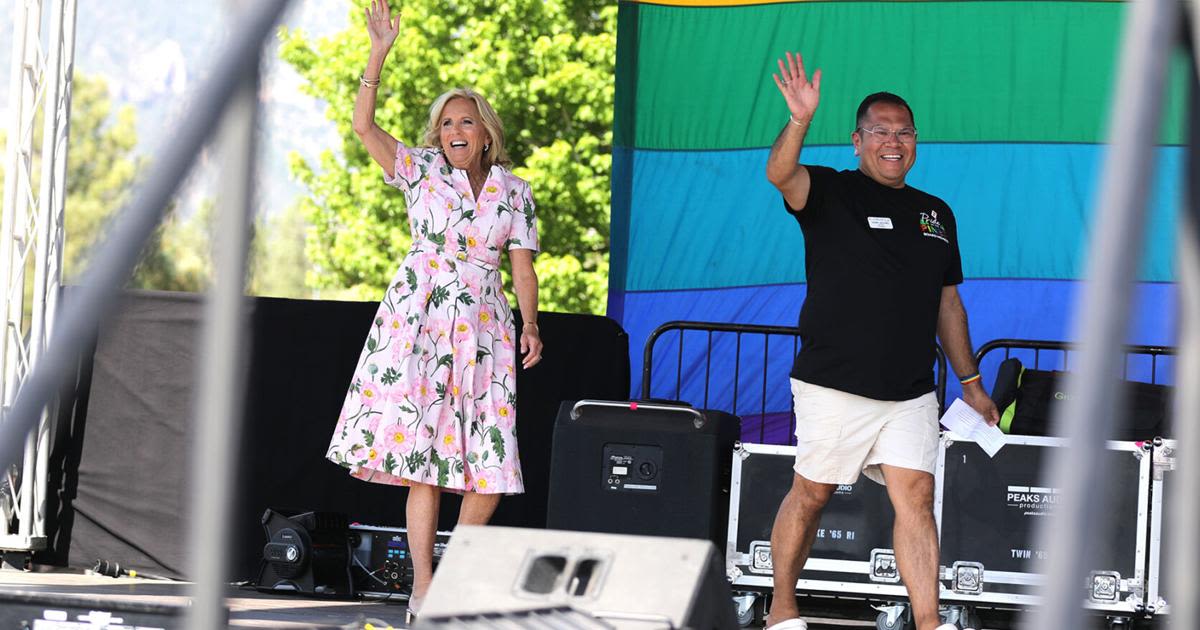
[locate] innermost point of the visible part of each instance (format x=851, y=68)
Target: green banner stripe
x=691, y=78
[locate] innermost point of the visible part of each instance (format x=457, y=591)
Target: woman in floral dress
x=432, y=402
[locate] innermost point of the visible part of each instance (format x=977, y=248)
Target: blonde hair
x=496, y=154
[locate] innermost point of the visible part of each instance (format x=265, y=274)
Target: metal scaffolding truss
x=31, y=237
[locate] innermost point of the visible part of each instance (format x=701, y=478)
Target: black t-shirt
x=877, y=259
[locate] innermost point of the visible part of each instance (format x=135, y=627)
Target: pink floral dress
x=433, y=397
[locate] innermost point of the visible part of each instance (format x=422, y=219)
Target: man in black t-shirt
x=883, y=267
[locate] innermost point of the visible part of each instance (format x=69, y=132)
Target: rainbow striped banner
x=1012, y=101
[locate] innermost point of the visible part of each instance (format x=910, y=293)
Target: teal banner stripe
x=708, y=219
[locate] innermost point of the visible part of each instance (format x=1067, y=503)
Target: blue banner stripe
x=1023, y=212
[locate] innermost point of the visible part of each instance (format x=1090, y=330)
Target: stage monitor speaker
x=641, y=468
x=625, y=581
x=306, y=553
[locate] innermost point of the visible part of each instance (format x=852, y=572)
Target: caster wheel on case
x=898, y=619
x=745, y=617
x=746, y=607
x=961, y=616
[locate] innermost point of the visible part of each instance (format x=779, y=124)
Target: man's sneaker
x=790, y=624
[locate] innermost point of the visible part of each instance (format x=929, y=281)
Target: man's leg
x=914, y=536
x=792, y=539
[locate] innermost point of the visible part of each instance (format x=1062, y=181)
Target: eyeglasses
x=905, y=136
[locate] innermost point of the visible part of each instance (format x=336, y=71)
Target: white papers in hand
x=966, y=422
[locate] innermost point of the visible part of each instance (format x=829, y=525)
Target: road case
x=852, y=553
x=990, y=507
x=1158, y=601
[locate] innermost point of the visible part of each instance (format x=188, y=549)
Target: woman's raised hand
x=382, y=28
x=802, y=96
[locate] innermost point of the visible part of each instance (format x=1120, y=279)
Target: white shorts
x=839, y=435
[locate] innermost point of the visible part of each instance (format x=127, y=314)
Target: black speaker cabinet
x=306, y=553
x=641, y=468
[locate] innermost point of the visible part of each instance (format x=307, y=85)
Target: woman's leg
x=421, y=518
x=477, y=508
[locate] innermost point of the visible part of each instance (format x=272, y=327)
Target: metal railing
x=1062, y=351
x=759, y=373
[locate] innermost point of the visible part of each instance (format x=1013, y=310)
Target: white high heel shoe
x=410, y=612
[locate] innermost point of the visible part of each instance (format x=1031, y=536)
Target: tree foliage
x=102, y=168
x=546, y=66
x=277, y=262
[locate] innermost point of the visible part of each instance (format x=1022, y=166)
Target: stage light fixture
x=306, y=552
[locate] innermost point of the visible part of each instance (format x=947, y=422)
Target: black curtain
x=122, y=460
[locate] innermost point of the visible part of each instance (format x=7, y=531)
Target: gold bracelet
x=368, y=83
x=528, y=324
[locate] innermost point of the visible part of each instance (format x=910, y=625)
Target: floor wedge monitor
x=624, y=581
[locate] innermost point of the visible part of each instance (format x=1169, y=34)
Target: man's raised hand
x=802, y=95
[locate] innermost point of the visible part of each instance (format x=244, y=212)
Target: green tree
x=547, y=67
x=278, y=265
x=102, y=169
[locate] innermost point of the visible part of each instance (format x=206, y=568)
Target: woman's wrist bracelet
x=970, y=378
x=368, y=83
x=793, y=120
x=528, y=324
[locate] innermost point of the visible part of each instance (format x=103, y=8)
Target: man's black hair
x=881, y=97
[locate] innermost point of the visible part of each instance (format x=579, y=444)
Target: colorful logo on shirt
x=930, y=226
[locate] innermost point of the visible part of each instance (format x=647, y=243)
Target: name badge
x=879, y=223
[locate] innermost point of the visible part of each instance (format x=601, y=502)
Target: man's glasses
x=905, y=136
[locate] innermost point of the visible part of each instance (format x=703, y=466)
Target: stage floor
x=248, y=608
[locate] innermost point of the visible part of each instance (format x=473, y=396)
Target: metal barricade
x=753, y=387
x=1059, y=357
